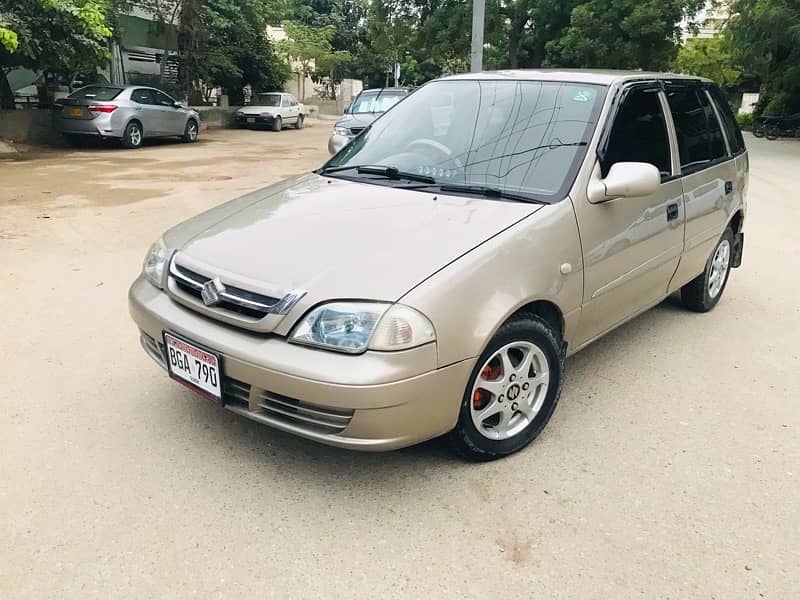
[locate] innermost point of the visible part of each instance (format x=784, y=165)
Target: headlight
x=341, y=131
x=267, y=113
x=154, y=263
x=353, y=327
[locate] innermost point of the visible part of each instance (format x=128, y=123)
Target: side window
x=639, y=133
x=732, y=132
x=284, y=101
x=162, y=99
x=691, y=128
x=142, y=96
x=715, y=139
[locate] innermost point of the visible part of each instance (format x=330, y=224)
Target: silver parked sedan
x=129, y=113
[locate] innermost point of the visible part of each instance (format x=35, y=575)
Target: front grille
x=235, y=392
x=304, y=414
x=235, y=300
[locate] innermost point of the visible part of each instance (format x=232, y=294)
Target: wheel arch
x=549, y=311
x=134, y=120
x=736, y=221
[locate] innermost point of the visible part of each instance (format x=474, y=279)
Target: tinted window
x=97, y=92
x=267, y=100
x=692, y=128
x=639, y=133
x=162, y=99
x=521, y=136
x=715, y=139
x=143, y=96
x=732, y=132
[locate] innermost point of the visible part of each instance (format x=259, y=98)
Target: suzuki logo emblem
x=211, y=291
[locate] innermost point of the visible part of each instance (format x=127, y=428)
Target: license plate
x=195, y=367
x=75, y=112
x=251, y=119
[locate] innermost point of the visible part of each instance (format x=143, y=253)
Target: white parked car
x=272, y=110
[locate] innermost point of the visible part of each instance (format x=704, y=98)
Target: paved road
x=671, y=468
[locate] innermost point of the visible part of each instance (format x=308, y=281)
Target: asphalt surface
x=671, y=468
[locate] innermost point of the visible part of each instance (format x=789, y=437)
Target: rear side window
x=732, y=131
x=96, y=92
x=639, y=133
x=715, y=140
x=143, y=96
x=689, y=117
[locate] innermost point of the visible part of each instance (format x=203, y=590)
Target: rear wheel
x=133, y=136
x=299, y=124
x=772, y=132
x=512, y=391
x=277, y=124
x=191, y=131
x=703, y=292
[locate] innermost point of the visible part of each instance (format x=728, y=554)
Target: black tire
x=299, y=123
x=133, y=136
x=277, y=124
x=695, y=295
x=191, y=131
x=758, y=131
x=772, y=133
x=470, y=443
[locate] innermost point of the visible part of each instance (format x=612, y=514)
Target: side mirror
x=624, y=180
x=177, y=104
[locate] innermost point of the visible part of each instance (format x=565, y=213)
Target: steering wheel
x=427, y=143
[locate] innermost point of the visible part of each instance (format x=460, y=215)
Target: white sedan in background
x=272, y=110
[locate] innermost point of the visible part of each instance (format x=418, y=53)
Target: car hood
x=358, y=120
x=257, y=110
x=338, y=239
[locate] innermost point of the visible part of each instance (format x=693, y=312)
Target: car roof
x=597, y=76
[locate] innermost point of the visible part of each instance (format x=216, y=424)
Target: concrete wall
x=28, y=127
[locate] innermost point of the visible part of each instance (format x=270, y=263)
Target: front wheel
x=299, y=124
x=191, y=131
x=512, y=391
x=703, y=292
x=277, y=124
x=772, y=133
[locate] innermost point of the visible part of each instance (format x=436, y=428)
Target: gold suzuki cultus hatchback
x=432, y=277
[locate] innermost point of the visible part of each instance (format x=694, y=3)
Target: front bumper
x=374, y=401
x=254, y=121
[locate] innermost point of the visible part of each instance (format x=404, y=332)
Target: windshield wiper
x=488, y=191
x=381, y=170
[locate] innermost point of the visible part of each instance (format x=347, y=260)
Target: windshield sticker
x=583, y=95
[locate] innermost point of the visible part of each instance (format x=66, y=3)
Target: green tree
x=624, y=34
x=707, y=57
x=224, y=43
x=58, y=37
x=305, y=46
x=765, y=41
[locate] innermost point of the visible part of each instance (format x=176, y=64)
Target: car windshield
x=96, y=92
x=267, y=100
x=376, y=103
x=524, y=137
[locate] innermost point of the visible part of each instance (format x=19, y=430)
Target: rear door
x=148, y=111
x=708, y=173
x=631, y=246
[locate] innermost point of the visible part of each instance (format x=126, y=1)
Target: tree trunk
x=513, y=46
x=6, y=93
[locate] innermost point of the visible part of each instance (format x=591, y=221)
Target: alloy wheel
x=719, y=268
x=510, y=390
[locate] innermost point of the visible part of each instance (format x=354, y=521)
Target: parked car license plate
x=251, y=119
x=75, y=112
x=195, y=367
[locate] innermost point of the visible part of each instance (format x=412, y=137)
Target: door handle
x=728, y=187
x=672, y=212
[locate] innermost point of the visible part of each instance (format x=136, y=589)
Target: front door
x=172, y=118
x=631, y=246
x=149, y=112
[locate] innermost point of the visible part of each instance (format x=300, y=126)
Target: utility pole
x=476, y=55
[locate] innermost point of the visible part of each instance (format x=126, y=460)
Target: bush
x=745, y=121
